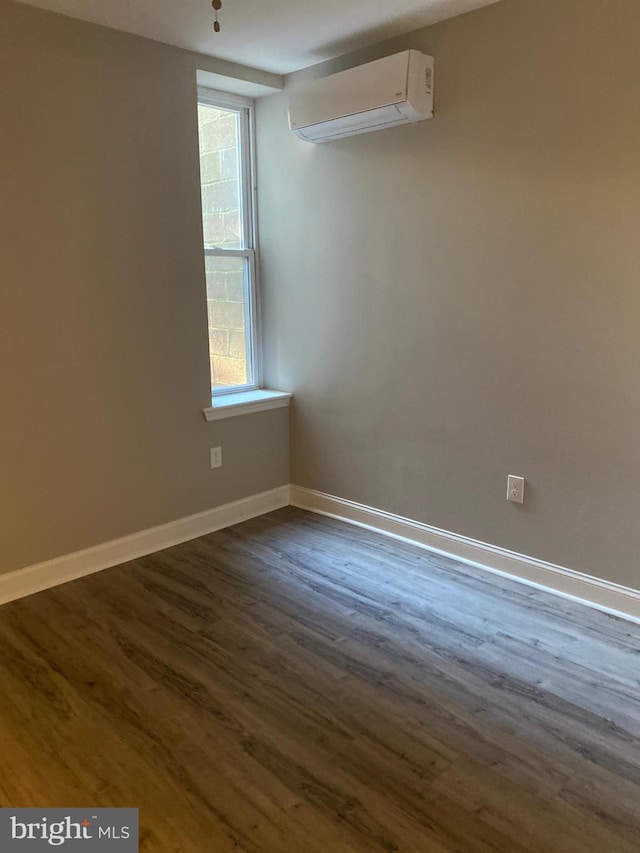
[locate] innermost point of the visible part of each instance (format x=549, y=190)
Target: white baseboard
x=51, y=573
x=609, y=597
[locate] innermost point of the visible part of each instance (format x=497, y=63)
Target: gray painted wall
x=457, y=300
x=103, y=336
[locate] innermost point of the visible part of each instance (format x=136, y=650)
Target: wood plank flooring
x=293, y=685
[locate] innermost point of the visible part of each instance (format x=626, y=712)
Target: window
x=225, y=125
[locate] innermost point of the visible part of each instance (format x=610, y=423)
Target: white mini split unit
x=395, y=90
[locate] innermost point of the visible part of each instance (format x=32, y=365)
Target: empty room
x=320, y=483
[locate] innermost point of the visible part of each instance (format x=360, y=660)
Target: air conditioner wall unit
x=395, y=90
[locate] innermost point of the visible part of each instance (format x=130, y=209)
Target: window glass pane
x=219, y=133
x=226, y=295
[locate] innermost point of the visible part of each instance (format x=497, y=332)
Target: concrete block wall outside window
x=222, y=226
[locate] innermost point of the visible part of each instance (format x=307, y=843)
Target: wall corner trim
x=594, y=592
x=32, y=579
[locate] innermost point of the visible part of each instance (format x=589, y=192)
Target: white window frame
x=245, y=109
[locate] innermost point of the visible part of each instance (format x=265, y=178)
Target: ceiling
x=278, y=36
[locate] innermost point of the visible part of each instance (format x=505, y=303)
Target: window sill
x=246, y=403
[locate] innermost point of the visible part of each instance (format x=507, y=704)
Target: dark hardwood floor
x=296, y=684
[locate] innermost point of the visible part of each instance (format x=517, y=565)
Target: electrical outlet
x=515, y=489
x=216, y=457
